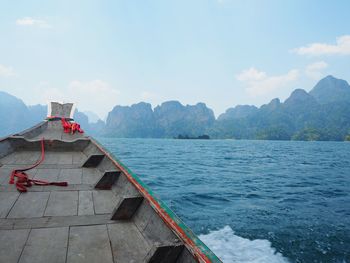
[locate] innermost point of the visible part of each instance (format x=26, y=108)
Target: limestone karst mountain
x=321, y=114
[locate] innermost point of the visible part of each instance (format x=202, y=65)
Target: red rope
x=69, y=127
x=23, y=181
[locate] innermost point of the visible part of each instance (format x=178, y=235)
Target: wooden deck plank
x=30, y=204
x=45, y=166
x=128, y=244
x=58, y=158
x=69, y=137
x=104, y=201
x=86, y=204
x=62, y=203
x=47, y=188
x=11, y=244
x=46, y=245
x=89, y=244
x=71, y=176
x=9, y=159
x=45, y=174
x=79, y=158
x=21, y=157
x=54, y=221
x=49, y=134
x=7, y=199
x=27, y=157
x=5, y=175
x=90, y=175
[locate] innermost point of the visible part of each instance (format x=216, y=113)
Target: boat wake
x=232, y=248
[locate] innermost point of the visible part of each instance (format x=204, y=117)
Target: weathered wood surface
x=126, y=207
x=62, y=204
x=54, y=221
x=5, y=174
x=7, y=200
x=73, y=223
x=71, y=176
x=21, y=158
x=93, y=160
x=107, y=165
x=86, y=204
x=78, y=158
x=151, y=226
x=107, y=180
x=90, y=175
x=31, y=204
x=58, y=157
x=104, y=201
x=46, y=245
x=186, y=257
x=164, y=253
x=11, y=244
x=128, y=244
x=47, y=174
x=48, y=188
x=89, y=244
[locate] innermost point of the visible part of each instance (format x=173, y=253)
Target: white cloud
x=341, y=47
x=6, y=71
x=314, y=70
x=258, y=83
x=30, y=21
x=251, y=74
x=96, y=95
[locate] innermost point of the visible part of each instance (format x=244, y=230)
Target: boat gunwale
x=197, y=248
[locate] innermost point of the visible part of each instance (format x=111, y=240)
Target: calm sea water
x=252, y=201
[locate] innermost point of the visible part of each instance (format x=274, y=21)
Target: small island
x=186, y=137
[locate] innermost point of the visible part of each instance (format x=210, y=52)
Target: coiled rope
x=20, y=178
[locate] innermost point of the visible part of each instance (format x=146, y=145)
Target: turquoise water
x=252, y=201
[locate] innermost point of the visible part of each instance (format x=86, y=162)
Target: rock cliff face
x=167, y=120
x=173, y=118
x=321, y=114
x=14, y=114
x=331, y=89
x=133, y=121
x=299, y=97
x=238, y=112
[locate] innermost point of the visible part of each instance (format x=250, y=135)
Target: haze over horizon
x=221, y=52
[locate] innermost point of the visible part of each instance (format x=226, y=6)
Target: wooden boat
x=104, y=214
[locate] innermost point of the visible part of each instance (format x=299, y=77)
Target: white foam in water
x=232, y=248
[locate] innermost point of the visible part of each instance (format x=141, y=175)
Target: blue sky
x=221, y=52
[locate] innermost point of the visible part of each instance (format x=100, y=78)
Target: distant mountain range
x=169, y=119
x=321, y=114
x=15, y=116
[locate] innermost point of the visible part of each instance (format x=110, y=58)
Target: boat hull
x=105, y=214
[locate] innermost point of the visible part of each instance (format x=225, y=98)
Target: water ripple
x=293, y=196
